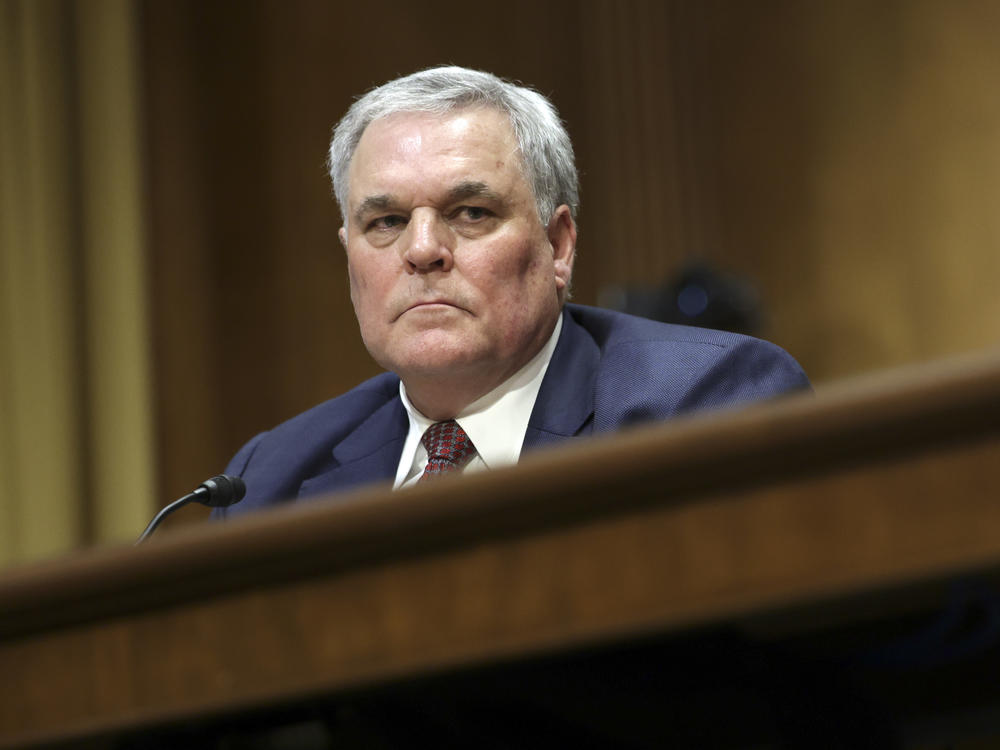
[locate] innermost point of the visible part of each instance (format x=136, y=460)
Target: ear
x=342, y=233
x=562, y=237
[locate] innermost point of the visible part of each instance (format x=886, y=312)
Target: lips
x=436, y=304
x=430, y=304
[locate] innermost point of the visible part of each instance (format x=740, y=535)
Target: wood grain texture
x=879, y=485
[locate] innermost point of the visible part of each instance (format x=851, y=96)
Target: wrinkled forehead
x=405, y=133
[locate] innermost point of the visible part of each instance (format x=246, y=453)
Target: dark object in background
x=699, y=296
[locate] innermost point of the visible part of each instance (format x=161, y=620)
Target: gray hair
x=546, y=151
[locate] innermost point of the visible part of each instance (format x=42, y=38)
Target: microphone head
x=221, y=491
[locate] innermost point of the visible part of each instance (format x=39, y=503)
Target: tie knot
x=448, y=448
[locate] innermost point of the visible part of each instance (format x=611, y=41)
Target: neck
x=440, y=399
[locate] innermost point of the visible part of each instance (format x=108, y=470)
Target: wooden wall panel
x=188, y=357
x=632, y=225
x=856, y=148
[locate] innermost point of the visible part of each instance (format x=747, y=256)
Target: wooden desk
x=872, y=486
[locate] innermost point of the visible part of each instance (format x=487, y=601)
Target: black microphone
x=217, y=492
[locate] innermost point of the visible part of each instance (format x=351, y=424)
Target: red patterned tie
x=448, y=449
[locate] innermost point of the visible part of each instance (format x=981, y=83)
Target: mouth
x=431, y=305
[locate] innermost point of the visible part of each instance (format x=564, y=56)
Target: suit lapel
x=565, y=404
x=368, y=454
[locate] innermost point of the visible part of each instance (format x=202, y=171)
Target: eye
x=386, y=223
x=473, y=213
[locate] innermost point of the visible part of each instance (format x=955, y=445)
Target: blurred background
x=170, y=277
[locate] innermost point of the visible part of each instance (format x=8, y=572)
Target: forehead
x=417, y=150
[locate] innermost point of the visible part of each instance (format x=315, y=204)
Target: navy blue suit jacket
x=608, y=371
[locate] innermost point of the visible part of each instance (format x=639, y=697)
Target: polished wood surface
x=870, y=486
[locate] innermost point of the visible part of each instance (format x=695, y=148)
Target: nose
x=428, y=244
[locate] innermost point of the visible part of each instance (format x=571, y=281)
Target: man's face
x=452, y=273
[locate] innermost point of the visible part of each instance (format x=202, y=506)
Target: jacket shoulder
x=651, y=370
x=275, y=462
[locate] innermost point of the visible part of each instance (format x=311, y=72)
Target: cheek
x=522, y=287
x=371, y=287
x=516, y=263
x=533, y=274
x=361, y=276
x=355, y=286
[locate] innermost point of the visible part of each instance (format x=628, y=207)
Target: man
x=458, y=192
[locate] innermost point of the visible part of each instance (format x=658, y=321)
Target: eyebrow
x=461, y=191
x=373, y=203
x=471, y=189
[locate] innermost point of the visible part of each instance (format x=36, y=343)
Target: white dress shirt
x=495, y=423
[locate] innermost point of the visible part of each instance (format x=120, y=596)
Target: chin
x=437, y=361
x=434, y=366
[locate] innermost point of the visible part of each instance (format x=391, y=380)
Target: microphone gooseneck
x=217, y=492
